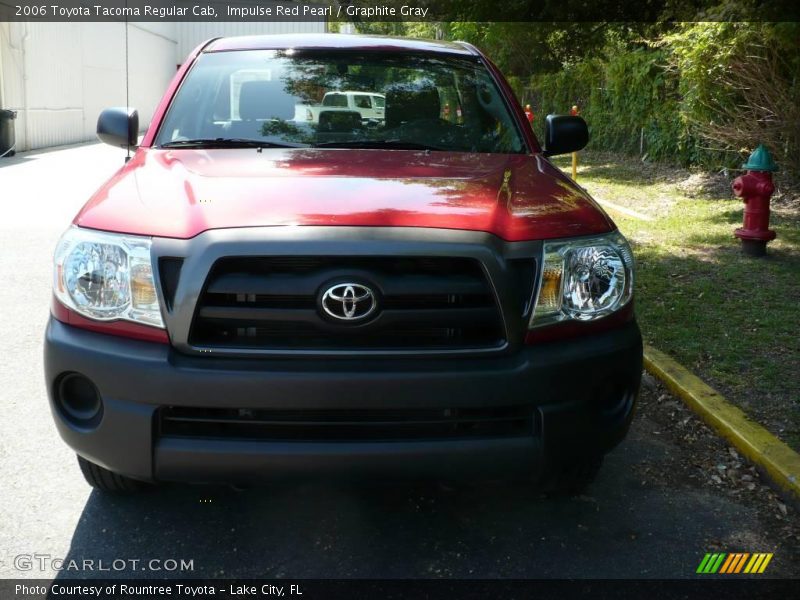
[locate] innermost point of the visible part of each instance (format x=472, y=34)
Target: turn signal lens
x=550, y=290
x=143, y=292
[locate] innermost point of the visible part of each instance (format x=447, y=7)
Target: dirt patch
x=690, y=182
x=708, y=462
x=718, y=186
x=787, y=194
x=707, y=186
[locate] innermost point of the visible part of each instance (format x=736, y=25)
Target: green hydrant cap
x=760, y=160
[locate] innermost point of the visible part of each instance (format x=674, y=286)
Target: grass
x=730, y=318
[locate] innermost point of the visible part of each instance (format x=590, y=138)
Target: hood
x=180, y=193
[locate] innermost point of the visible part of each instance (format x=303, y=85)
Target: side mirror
x=119, y=126
x=564, y=133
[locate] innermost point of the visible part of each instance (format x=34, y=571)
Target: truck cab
x=254, y=296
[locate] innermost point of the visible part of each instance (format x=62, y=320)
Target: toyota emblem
x=349, y=302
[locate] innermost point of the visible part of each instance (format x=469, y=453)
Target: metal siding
x=152, y=67
x=12, y=95
x=66, y=73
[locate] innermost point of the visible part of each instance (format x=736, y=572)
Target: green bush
x=705, y=94
x=739, y=87
x=629, y=101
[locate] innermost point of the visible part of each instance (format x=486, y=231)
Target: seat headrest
x=261, y=100
x=339, y=121
x=409, y=102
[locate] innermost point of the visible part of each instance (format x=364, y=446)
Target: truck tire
x=573, y=479
x=108, y=481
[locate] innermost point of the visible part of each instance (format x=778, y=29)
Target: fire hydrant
x=529, y=113
x=755, y=188
x=574, y=112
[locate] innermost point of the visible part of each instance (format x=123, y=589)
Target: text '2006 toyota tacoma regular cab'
x=255, y=295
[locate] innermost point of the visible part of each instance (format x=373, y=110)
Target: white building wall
x=59, y=76
x=192, y=34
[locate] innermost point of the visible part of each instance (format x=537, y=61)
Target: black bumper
x=581, y=392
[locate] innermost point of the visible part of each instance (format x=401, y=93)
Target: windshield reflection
x=340, y=99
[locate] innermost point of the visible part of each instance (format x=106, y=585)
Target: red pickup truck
x=257, y=296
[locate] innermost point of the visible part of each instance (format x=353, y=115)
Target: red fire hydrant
x=529, y=113
x=755, y=188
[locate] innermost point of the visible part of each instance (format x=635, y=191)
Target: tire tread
x=573, y=479
x=108, y=481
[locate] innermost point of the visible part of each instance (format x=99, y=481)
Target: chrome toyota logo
x=349, y=301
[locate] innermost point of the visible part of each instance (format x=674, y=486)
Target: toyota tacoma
x=255, y=296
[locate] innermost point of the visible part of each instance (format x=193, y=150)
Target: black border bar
x=729, y=587
x=331, y=11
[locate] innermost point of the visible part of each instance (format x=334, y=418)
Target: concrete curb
x=778, y=461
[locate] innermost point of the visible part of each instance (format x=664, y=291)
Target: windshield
x=344, y=99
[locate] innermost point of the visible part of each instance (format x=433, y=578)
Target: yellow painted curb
x=781, y=463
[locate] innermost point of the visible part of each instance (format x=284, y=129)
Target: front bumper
x=581, y=391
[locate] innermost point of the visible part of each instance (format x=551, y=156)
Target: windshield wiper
x=228, y=143
x=390, y=144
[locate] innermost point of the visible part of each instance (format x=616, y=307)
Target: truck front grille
x=273, y=303
x=346, y=424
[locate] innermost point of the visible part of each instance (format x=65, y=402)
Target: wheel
x=108, y=481
x=572, y=479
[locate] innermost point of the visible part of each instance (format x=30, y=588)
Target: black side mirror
x=564, y=133
x=119, y=126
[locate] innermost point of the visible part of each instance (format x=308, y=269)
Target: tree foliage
x=739, y=87
x=701, y=92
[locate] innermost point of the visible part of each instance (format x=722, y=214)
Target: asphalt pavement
x=661, y=502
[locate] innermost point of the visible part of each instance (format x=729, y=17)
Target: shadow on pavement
x=406, y=531
x=17, y=159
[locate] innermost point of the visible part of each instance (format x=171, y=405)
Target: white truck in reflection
x=371, y=106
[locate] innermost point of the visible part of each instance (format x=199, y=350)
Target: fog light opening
x=79, y=400
x=613, y=399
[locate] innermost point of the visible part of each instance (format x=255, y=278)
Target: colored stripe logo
x=736, y=562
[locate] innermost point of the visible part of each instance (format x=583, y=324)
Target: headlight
x=106, y=276
x=583, y=279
